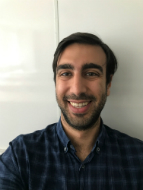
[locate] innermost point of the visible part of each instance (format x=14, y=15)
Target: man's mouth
x=79, y=105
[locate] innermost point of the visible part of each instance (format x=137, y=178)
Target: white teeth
x=80, y=105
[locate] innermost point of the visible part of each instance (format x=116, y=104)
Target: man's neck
x=83, y=141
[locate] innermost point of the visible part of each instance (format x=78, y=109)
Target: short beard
x=82, y=123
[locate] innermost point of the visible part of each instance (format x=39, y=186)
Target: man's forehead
x=83, y=54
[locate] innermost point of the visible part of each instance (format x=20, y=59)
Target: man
x=79, y=152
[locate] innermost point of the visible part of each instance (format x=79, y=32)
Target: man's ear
x=109, y=85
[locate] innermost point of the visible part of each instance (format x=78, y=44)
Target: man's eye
x=66, y=74
x=92, y=74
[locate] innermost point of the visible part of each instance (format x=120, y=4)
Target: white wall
x=27, y=43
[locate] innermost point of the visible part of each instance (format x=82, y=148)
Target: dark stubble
x=82, y=122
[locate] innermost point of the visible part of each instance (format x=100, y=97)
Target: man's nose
x=78, y=85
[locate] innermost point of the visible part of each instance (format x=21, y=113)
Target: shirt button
x=83, y=166
x=65, y=149
x=98, y=150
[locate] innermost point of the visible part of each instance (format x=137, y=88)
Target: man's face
x=81, y=88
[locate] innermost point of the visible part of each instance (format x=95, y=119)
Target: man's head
x=83, y=68
x=91, y=39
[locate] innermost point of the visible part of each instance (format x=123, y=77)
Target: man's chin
x=79, y=115
x=79, y=121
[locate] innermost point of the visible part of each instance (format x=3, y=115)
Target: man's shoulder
x=36, y=137
x=122, y=139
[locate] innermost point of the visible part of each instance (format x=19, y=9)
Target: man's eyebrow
x=64, y=66
x=92, y=65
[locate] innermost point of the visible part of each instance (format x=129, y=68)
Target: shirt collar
x=61, y=134
x=101, y=137
x=65, y=140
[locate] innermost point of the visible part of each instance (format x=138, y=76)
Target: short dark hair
x=91, y=39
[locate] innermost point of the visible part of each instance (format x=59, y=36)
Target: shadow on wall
x=124, y=107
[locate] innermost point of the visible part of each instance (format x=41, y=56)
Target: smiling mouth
x=79, y=105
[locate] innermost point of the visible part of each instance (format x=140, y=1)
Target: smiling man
x=79, y=152
x=81, y=92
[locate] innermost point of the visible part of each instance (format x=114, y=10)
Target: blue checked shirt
x=46, y=160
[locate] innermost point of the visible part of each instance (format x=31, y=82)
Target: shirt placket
x=81, y=176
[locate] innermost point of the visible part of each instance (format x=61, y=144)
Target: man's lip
x=81, y=110
x=78, y=101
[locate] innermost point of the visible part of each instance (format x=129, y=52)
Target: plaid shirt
x=46, y=160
